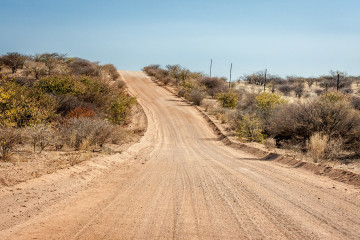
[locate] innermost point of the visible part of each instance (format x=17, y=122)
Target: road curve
x=180, y=182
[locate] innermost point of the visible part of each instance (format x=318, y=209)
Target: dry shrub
x=40, y=135
x=80, y=66
x=80, y=133
x=207, y=104
x=247, y=102
x=66, y=103
x=196, y=96
x=27, y=82
x=111, y=70
x=310, y=81
x=150, y=72
x=299, y=89
x=270, y=143
x=167, y=80
x=121, y=84
x=285, y=89
x=77, y=157
x=319, y=92
x=347, y=90
x=214, y=85
x=331, y=82
x=307, y=95
x=331, y=116
x=182, y=92
x=14, y=61
x=121, y=135
x=160, y=74
x=355, y=101
x=151, y=69
x=334, y=148
x=9, y=138
x=216, y=109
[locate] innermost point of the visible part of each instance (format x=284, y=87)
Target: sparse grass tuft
x=317, y=145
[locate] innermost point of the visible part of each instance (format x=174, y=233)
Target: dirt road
x=180, y=182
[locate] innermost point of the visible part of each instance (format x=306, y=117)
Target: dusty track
x=180, y=182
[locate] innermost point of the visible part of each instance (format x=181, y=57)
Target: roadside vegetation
x=318, y=117
x=52, y=102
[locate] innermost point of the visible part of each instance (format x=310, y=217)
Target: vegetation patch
x=49, y=101
x=325, y=126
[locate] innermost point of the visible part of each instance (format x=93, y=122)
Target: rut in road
x=182, y=183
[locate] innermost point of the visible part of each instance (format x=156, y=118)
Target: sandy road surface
x=179, y=182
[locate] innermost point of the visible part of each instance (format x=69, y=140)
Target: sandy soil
x=180, y=182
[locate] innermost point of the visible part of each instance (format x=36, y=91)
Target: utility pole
x=338, y=82
x=230, y=75
x=210, y=67
x=265, y=79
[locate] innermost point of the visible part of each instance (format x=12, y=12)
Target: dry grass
x=121, y=135
x=317, y=145
x=207, y=104
x=321, y=147
x=270, y=143
x=222, y=117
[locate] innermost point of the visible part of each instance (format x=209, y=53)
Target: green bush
x=96, y=91
x=91, y=90
x=120, y=107
x=250, y=127
x=21, y=106
x=61, y=85
x=266, y=103
x=227, y=99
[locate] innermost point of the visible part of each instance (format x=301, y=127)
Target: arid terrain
x=179, y=182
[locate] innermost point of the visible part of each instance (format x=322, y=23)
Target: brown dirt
x=180, y=182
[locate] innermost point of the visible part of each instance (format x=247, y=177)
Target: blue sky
x=288, y=37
